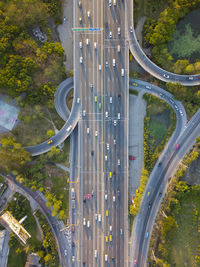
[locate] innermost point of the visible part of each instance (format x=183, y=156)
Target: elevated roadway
x=147, y=64
x=157, y=186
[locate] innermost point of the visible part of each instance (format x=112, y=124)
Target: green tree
x=50, y=133
x=12, y=155
x=180, y=65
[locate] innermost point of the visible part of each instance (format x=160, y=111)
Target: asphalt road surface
x=102, y=89
x=157, y=186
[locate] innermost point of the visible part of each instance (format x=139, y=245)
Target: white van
x=118, y=30
x=118, y=48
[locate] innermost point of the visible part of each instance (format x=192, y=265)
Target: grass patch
x=69, y=99
x=13, y=257
x=157, y=130
x=133, y=92
x=34, y=122
x=182, y=246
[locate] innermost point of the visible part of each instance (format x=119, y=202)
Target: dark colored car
x=92, y=153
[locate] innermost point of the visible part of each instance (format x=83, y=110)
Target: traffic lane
x=156, y=204
x=171, y=166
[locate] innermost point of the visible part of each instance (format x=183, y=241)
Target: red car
x=131, y=157
x=177, y=146
x=88, y=196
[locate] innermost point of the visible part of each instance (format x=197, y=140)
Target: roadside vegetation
x=31, y=65
x=175, y=239
x=159, y=31
x=159, y=125
x=40, y=174
x=40, y=243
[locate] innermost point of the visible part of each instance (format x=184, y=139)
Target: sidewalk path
x=65, y=33
x=137, y=112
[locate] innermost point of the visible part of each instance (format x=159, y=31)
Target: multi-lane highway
x=101, y=73
x=157, y=186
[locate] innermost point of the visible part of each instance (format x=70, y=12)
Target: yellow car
x=110, y=238
x=50, y=141
x=106, y=237
x=106, y=213
x=110, y=174
x=134, y=84
x=95, y=98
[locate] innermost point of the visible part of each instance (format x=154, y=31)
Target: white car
x=166, y=76
x=106, y=114
x=106, y=64
x=96, y=133
x=84, y=221
x=95, y=45
x=99, y=217
x=115, y=123
x=65, y=252
x=113, y=198
x=114, y=62
x=106, y=157
x=131, y=29
x=121, y=231
x=106, y=197
x=79, y=4
x=95, y=253
x=96, y=216
x=191, y=78
x=78, y=100
x=122, y=72
x=118, y=48
x=106, y=257
x=110, y=99
x=110, y=2
x=99, y=67
x=91, y=85
x=80, y=20
x=181, y=112
x=84, y=112
x=88, y=224
x=87, y=41
x=118, y=162
x=80, y=45
x=88, y=130
x=88, y=14
x=110, y=228
x=73, y=258
x=110, y=35
x=114, y=2
x=69, y=128
x=118, y=31
x=148, y=87
x=118, y=116
x=108, y=146
x=81, y=60
x=114, y=141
